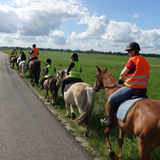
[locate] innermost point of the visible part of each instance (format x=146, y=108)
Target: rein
x=103, y=87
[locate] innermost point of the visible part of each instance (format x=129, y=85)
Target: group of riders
x=135, y=73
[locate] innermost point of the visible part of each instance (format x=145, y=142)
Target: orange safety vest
x=140, y=77
x=35, y=53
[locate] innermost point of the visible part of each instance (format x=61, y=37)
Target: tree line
x=80, y=51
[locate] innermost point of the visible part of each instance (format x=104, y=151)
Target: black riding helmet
x=33, y=45
x=133, y=45
x=48, y=61
x=74, y=55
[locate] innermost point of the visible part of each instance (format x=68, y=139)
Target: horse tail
x=23, y=68
x=36, y=71
x=88, y=106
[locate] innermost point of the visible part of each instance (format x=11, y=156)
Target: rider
x=34, y=54
x=23, y=56
x=73, y=71
x=13, y=54
x=49, y=72
x=136, y=74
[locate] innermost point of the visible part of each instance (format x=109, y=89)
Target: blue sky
x=102, y=25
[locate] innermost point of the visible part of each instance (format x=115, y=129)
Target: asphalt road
x=28, y=131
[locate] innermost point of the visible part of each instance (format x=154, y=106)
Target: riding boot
x=42, y=87
x=112, y=108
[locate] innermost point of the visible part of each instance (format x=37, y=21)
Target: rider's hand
x=120, y=81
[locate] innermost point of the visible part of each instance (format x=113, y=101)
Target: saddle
x=67, y=86
x=139, y=94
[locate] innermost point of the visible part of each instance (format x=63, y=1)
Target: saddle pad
x=124, y=107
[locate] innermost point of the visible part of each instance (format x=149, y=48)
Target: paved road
x=28, y=131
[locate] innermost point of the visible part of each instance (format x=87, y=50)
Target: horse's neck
x=108, y=80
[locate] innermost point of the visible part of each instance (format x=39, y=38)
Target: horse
x=13, y=61
x=34, y=71
x=22, y=68
x=50, y=85
x=18, y=61
x=82, y=95
x=142, y=121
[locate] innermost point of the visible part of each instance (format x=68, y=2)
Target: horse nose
x=95, y=88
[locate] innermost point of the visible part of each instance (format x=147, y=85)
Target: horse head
x=60, y=76
x=99, y=79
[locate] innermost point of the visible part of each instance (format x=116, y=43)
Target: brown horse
x=142, y=121
x=13, y=61
x=50, y=85
x=34, y=71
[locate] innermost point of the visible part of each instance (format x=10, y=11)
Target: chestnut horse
x=50, y=85
x=13, y=61
x=82, y=95
x=142, y=121
x=34, y=71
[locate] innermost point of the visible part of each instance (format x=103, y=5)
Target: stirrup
x=103, y=121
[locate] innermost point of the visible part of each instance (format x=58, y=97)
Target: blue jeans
x=122, y=94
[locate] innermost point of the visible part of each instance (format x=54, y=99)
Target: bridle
x=103, y=87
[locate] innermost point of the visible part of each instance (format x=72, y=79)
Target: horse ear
x=105, y=70
x=98, y=69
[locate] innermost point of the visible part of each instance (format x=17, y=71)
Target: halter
x=103, y=87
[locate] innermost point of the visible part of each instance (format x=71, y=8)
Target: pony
x=13, y=61
x=142, y=121
x=50, y=85
x=82, y=95
x=34, y=71
x=22, y=68
x=18, y=61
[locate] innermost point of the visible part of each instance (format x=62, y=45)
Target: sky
x=101, y=25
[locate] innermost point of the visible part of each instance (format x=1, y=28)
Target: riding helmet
x=48, y=61
x=74, y=55
x=33, y=45
x=133, y=45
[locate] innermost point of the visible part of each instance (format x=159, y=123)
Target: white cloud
x=35, y=21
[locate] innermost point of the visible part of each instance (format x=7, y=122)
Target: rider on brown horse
x=49, y=72
x=13, y=54
x=34, y=54
x=73, y=71
x=136, y=74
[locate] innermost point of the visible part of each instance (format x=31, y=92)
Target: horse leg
x=120, y=141
x=111, y=152
x=46, y=95
x=67, y=108
x=72, y=112
x=146, y=147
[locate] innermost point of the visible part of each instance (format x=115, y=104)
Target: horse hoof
x=73, y=116
x=112, y=154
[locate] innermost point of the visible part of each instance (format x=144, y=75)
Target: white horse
x=22, y=68
x=82, y=95
x=18, y=61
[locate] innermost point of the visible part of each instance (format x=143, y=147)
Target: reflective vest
x=51, y=72
x=140, y=77
x=35, y=53
x=75, y=71
x=14, y=54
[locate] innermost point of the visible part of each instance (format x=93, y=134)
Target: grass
x=115, y=64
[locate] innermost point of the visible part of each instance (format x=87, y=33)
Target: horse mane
x=62, y=74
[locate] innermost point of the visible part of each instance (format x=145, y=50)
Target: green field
x=115, y=64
